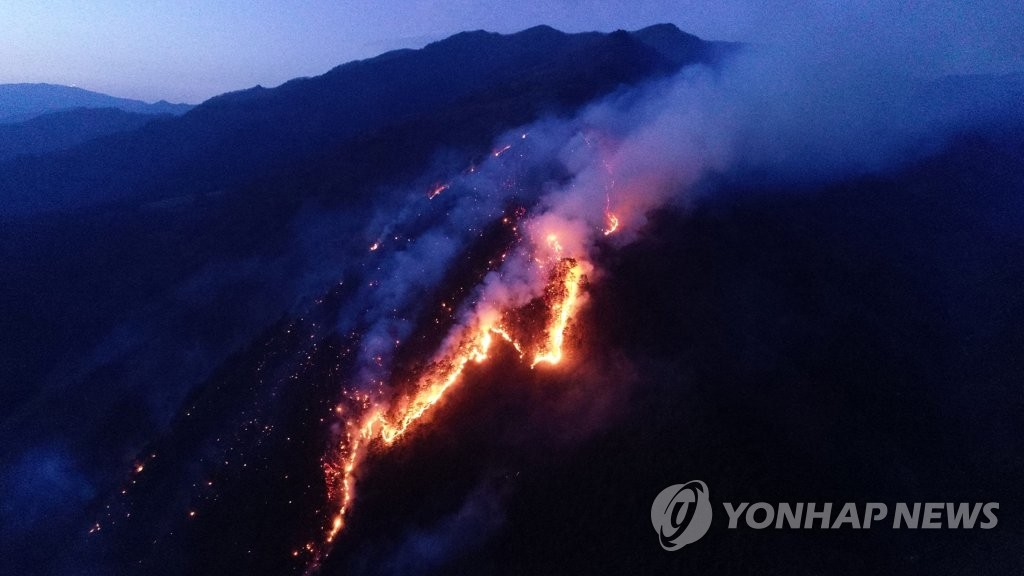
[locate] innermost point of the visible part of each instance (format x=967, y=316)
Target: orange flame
x=433, y=386
x=437, y=189
x=568, y=291
x=613, y=223
x=378, y=428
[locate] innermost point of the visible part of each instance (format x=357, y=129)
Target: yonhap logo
x=681, y=514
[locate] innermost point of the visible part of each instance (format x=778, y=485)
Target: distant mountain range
x=458, y=91
x=65, y=129
x=20, y=102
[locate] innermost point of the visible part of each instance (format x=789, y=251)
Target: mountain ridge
x=23, y=101
x=65, y=129
x=238, y=138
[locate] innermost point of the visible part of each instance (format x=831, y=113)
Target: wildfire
x=433, y=386
x=566, y=293
x=344, y=475
x=381, y=428
x=375, y=425
x=508, y=338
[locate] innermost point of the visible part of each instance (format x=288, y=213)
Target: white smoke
x=766, y=113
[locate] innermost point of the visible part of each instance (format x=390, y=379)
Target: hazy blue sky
x=189, y=50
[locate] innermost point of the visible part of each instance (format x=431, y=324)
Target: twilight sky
x=189, y=50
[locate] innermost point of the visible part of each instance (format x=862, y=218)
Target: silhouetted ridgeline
x=20, y=102
x=474, y=80
x=66, y=129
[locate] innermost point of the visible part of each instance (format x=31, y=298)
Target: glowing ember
x=502, y=150
x=437, y=189
x=613, y=223
x=554, y=244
